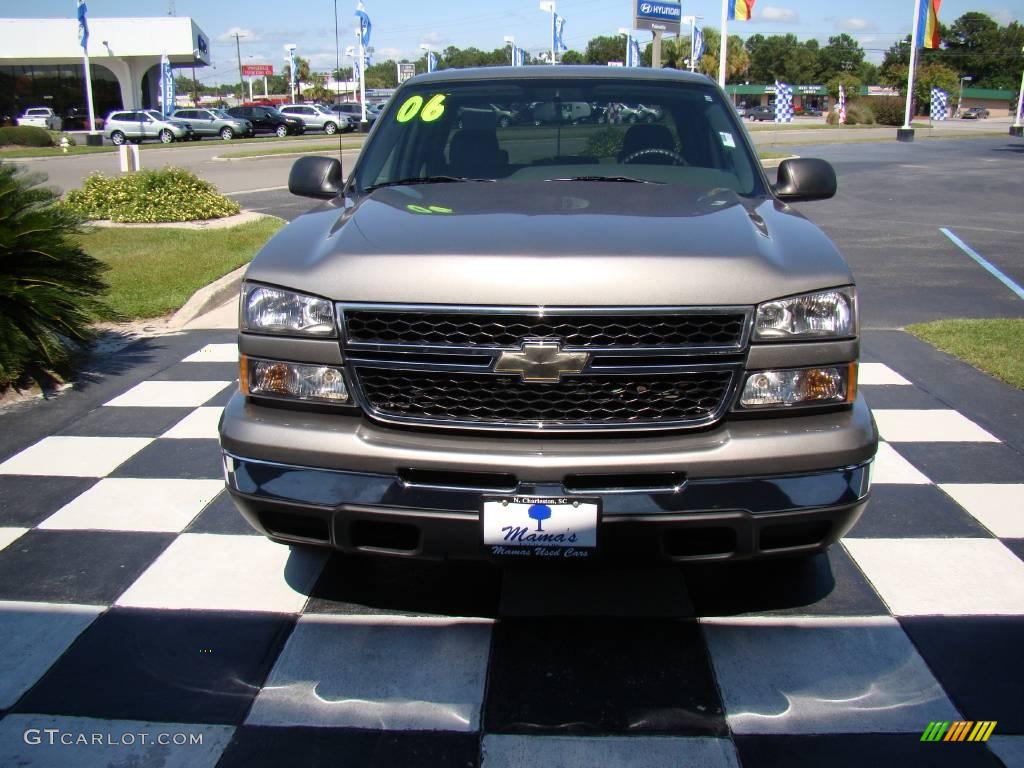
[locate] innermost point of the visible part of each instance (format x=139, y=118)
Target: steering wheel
x=672, y=155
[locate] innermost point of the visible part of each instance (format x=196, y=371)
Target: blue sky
x=400, y=26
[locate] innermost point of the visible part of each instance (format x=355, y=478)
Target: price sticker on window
x=427, y=110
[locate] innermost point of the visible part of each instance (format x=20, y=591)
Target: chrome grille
x=472, y=329
x=582, y=400
x=433, y=365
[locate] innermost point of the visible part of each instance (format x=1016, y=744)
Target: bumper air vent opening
x=632, y=481
x=295, y=526
x=700, y=542
x=377, y=535
x=794, y=535
x=441, y=478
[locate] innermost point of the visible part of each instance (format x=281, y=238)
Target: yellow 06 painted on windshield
x=428, y=112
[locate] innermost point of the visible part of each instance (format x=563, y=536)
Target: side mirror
x=318, y=177
x=802, y=179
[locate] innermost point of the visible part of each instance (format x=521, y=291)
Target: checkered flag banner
x=783, y=103
x=940, y=104
x=842, y=105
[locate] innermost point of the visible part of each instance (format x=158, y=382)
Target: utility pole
x=241, y=80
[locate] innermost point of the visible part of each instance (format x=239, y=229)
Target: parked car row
x=236, y=122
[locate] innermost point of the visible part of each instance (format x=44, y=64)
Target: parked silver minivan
x=144, y=124
x=318, y=118
x=214, y=122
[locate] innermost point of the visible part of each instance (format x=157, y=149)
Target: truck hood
x=557, y=243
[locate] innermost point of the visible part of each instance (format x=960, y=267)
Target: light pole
x=960, y=98
x=548, y=6
x=1017, y=129
x=512, y=44
x=241, y=80
x=426, y=47
x=290, y=58
x=629, y=45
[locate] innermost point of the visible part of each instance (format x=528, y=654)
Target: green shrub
x=605, y=142
x=832, y=118
x=859, y=113
x=888, y=109
x=147, y=197
x=48, y=284
x=25, y=136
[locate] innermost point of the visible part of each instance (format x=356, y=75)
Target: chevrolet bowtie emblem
x=541, y=361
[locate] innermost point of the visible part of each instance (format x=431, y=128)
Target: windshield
x=221, y=113
x=537, y=129
x=154, y=114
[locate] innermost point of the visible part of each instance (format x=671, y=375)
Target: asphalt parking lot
x=134, y=600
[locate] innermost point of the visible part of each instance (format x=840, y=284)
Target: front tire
x=166, y=137
x=281, y=131
x=330, y=129
x=117, y=138
x=227, y=134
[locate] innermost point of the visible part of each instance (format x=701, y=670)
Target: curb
x=207, y=298
x=224, y=159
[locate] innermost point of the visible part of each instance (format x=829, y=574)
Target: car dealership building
x=41, y=61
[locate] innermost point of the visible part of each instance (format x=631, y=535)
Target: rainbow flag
x=742, y=10
x=928, y=24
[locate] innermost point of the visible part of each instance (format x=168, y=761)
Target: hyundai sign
x=658, y=16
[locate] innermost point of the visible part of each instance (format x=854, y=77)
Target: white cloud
x=775, y=13
x=854, y=24
x=246, y=34
x=383, y=54
x=1002, y=16
x=433, y=38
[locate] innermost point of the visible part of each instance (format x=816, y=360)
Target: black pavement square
x=323, y=747
x=87, y=567
x=977, y=660
x=1016, y=546
x=221, y=398
x=964, y=462
x=368, y=585
x=900, y=396
x=25, y=501
x=163, y=666
x=126, y=422
x=906, y=511
x=601, y=676
x=198, y=372
x=221, y=516
x=857, y=750
x=192, y=458
x=826, y=584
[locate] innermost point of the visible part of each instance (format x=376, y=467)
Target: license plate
x=545, y=527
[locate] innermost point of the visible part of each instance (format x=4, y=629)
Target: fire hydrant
x=64, y=144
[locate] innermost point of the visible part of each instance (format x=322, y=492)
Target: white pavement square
x=131, y=504
x=64, y=456
x=822, y=675
x=169, y=394
x=929, y=426
x=202, y=422
x=879, y=374
x=891, y=468
x=607, y=751
x=942, y=577
x=8, y=535
x=32, y=637
x=383, y=673
x=205, y=571
x=997, y=506
x=214, y=353
x=65, y=741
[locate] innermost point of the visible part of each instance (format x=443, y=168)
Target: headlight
x=821, y=385
x=294, y=381
x=828, y=314
x=272, y=310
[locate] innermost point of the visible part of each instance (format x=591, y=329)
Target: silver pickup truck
x=552, y=342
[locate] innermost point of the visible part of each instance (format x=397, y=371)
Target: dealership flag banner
x=928, y=24
x=83, y=40
x=940, y=104
x=634, y=47
x=698, y=45
x=83, y=25
x=166, y=85
x=732, y=10
x=557, y=30
x=783, y=103
x=431, y=61
x=842, y=105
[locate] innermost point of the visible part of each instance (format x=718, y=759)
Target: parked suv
x=269, y=120
x=215, y=122
x=354, y=111
x=318, y=118
x=516, y=345
x=137, y=126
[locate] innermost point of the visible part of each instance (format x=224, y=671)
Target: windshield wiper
x=608, y=178
x=422, y=180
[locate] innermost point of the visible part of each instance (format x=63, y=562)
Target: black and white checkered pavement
x=136, y=604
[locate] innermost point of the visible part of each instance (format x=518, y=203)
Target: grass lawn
x=994, y=346
x=294, y=150
x=155, y=270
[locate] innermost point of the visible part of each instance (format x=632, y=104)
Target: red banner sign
x=257, y=70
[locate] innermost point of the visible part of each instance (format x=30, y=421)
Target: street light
x=629, y=34
x=960, y=98
x=548, y=6
x=510, y=40
x=290, y=58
